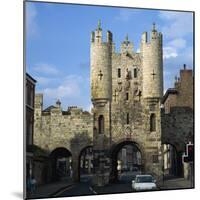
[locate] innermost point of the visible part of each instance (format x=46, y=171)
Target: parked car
x=144, y=182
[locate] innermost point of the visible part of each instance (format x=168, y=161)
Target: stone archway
x=85, y=164
x=135, y=165
x=172, y=160
x=60, y=164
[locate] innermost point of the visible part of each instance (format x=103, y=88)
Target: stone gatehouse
x=126, y=93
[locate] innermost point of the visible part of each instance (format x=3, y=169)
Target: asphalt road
x=122, y=186
x=76, y=190
x=85, y=188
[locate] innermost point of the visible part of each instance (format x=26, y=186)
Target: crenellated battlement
x=97, y=36
x=147, y=65
x=154, y=36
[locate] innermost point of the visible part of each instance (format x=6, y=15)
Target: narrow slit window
x=135, y=72
x=101, y=124
x=127, y=118
x=127, y=96
x=153, y=122
x=119, y=72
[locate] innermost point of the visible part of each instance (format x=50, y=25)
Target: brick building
x=181, y=95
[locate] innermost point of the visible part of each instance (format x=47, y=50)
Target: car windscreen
x=144, y=179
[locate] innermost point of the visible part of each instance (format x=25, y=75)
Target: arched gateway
x=61, y=163
x=71, y=165
x=86, y=167
x=126, y=161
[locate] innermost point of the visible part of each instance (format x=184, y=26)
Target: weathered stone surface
x=54, y=128
x=178, y=127
x=133, y=94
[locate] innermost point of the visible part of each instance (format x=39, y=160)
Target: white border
x=11, y=100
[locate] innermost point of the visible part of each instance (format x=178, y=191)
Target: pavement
x=50, y=189
x=176, y=183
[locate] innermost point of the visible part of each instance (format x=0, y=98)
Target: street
x=78, y=189
x=123, y=185
x=86, y=189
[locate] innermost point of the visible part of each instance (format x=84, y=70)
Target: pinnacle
x=154, y=26
x=99, y=25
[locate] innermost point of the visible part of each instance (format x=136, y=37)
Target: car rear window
x=144, y=179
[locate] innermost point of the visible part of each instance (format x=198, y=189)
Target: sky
x=58, y=45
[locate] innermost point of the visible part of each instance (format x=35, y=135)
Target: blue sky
x=58, y=45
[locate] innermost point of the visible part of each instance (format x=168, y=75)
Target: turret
x=101, y=53
x=101, y=93
x=152, y=63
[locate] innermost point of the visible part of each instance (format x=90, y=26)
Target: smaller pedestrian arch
x=85, y=164
x=172, y=160
x=61, y=164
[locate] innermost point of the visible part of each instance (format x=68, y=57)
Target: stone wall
x=54, y=128
x=178, y=127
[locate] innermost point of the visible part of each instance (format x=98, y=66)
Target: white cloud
x=169, y=15
x=69, y=88
x=126, y=14
x=169, y=52
x=31, y=15
x=177, y=43
x=178, y=25
x=172, y=48
x=45, y=68
x=43, y=81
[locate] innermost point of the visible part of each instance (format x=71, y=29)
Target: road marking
x=94, y=192
x=60, y=192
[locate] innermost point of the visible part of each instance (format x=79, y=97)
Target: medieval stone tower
x=126, y=92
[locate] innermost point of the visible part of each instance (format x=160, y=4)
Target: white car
x=144, y=182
